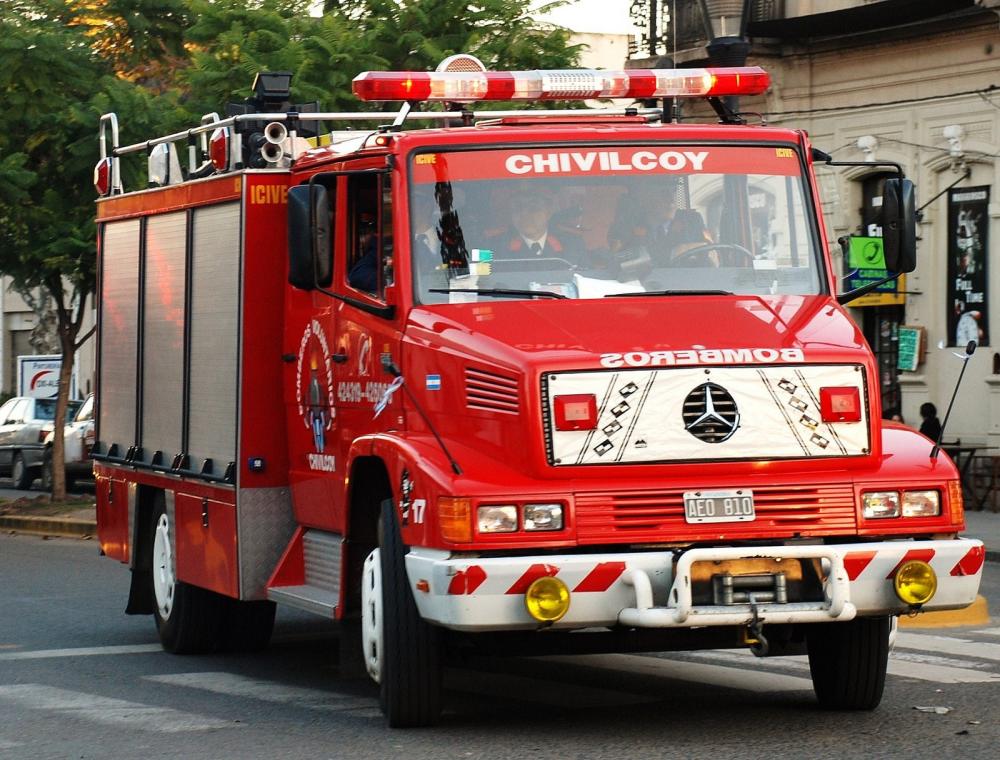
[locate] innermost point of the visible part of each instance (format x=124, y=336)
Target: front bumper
x=654, y=589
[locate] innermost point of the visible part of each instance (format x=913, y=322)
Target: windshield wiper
x=503, y=292
x=672, y=293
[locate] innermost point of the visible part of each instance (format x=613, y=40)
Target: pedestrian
x=930, y=425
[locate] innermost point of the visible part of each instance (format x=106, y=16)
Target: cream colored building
x=18, y=321
x=917, y=83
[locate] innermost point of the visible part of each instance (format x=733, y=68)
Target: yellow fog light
x=547, y=599
x=915, y=582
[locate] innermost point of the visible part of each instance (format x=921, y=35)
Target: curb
x=66, y=527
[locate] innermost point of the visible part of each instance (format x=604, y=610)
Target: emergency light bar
x=567, y=84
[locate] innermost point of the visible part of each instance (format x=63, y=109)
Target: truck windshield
x=591, y=222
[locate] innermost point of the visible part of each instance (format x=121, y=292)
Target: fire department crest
x=314, y=384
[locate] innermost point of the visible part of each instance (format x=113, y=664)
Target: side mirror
x=899, y=226
x=310, y=251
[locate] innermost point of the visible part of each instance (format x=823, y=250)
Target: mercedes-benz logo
x=710, y=413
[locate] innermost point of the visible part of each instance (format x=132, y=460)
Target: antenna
x=970, y=349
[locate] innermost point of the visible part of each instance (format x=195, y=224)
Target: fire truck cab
x=526, y=381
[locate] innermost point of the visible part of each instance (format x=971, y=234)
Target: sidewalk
x=986, y=527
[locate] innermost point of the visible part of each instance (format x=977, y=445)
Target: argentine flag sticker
x=434, y=382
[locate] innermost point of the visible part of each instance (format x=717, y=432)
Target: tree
x=419, y=34
x=55, y=87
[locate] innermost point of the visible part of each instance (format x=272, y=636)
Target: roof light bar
x=568, y=84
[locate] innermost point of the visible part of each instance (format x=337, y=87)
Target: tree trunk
x=62, y=401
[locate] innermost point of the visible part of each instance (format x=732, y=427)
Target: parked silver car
x=24, y=424
x=78, y=442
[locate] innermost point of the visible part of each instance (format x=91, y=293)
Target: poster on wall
x=968, y=301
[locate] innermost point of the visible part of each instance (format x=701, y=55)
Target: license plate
x=718, y=506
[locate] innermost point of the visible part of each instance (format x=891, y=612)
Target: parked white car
x=78, y=439
x=24, y=423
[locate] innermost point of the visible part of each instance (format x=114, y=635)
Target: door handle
x=339, y=358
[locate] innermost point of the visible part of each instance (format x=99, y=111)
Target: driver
x=687, y=234
x=529, y=234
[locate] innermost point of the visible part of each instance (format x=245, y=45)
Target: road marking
x=924, y=667
x=4, y=744
x=234, y=685
x=45, y=654
x=933, y=659
x=939, y=673
x=714, y=675
x=989, y=631
x=112, y=712
x=948, y=645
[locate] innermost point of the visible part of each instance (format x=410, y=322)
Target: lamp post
x=725, y=27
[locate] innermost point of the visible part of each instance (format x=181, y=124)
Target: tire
x=46, y=476
x=247, y=626
x=20, y=474
x=848, y=662
x=189, y=619
x=409, y=664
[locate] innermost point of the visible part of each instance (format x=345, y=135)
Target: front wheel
x=848, y=662
x=20, y=473
x=402, y=652
x=188, y=618
x=47, y=471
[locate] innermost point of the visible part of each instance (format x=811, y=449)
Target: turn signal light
x=840, y=404
x=956, y=501
x=455, y=518
x=576, y=412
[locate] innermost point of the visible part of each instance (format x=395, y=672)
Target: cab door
x=367, y=325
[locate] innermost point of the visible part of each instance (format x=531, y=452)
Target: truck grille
x=491, y=391
x=654, y=516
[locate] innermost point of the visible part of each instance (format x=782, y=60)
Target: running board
x=308, y=598
x=308, y=575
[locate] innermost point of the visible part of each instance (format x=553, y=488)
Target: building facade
x=22, y=335
x=915, y=82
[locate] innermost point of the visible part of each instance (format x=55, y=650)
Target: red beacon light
x=566, y=84
x=218, y=149
x=102, y=176
x=840, y=404
x=575, y=412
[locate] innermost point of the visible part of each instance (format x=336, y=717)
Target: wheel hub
x=371, y=615
x=163, y=568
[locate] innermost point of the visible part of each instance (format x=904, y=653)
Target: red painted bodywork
x=206, y=543
x=501, y=454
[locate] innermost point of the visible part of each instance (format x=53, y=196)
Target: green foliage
x=161, y=64
x=418, y=34
x=55, y=87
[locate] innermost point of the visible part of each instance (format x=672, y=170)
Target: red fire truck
x=526, y=381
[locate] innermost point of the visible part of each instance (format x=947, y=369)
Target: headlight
x=879, y=504
x=543, y=517
x=921, y=503
x=497, y=518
